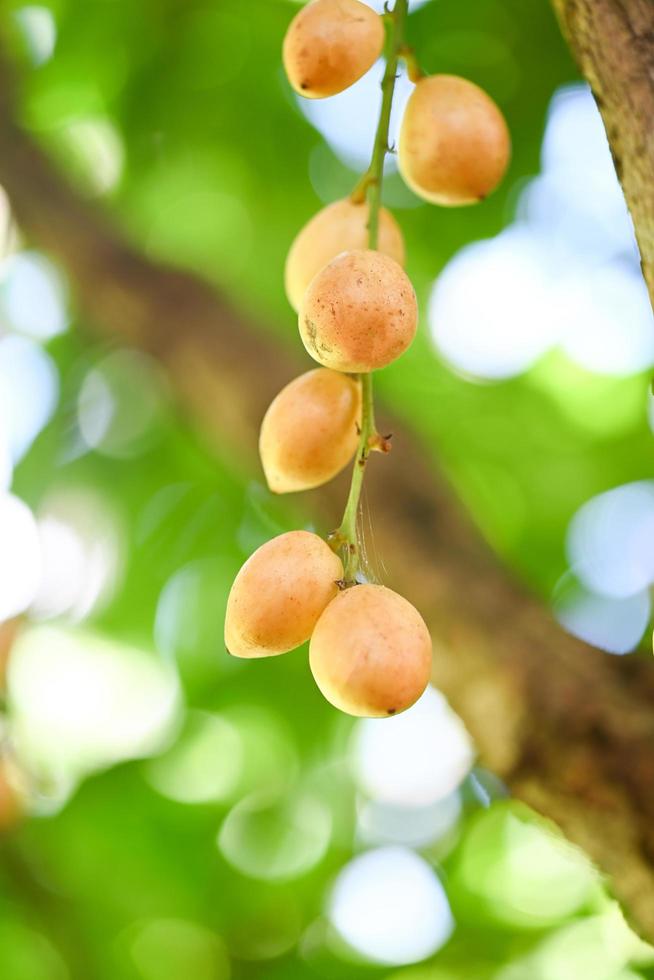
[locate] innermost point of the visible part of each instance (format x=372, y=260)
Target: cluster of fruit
x=370, y=651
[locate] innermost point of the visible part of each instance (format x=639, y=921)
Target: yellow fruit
x=329, y=45
x=454, y=144
x=309, y=433
x=340, y=227
x=359, y=313
x=370, y=652
x=279, y=593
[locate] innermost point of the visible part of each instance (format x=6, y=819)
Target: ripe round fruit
x=340, y=227
x=370, y=652
x=279, y=593
x=309, y=433
x=359, y=313
x=454, y=144
x=329, y=45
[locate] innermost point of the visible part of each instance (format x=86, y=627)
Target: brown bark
x=570, y=730
x=613, y=43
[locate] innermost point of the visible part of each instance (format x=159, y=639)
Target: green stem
x=346, y=536
x=347, y=533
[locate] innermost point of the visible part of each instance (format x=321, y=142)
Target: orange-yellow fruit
x=370, y=652
x=359, y=313
x=454, y=144
x=340, y=227
x=330, y=44
x=309, y=433
x=279, y=593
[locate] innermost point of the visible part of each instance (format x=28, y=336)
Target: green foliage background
x=217, y=171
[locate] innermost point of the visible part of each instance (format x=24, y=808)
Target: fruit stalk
x=346, y=537
x=394, y=46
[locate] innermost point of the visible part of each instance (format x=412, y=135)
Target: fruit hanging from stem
x=330, y=44
x=340, y=227
x=279, y=594
x=370, y=652
x=454, y=144
x=359, y=313
x=309, y=432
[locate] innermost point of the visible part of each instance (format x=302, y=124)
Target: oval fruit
x=340, y=227
x=370, y=652
x=454, y=144
x=329, y=45
x=359, y=313
x=279, y=593
x=309, y=433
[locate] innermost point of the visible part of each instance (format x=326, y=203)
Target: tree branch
x=571, y=731
x=613, y=43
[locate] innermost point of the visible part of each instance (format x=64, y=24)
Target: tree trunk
x=613, y=42
x=571, y=731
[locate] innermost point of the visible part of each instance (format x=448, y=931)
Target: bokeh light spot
x=95, y=151
x=389, y=906
x=32, y=296
x=120, y=403
x=524, y=874
x=416, y=758
x=204, y=764
x=610, y=540
x=599, y=946
x=566, y=272
x=607, y=325
x=489, y=312
x=613, y=625
x=29, y=388
x=276, y=838
x=20, y=556
x=269, y=761
x=385, y=823
x=80, y=702
x=37, y=25
x=82, y=548
x=6, y=465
